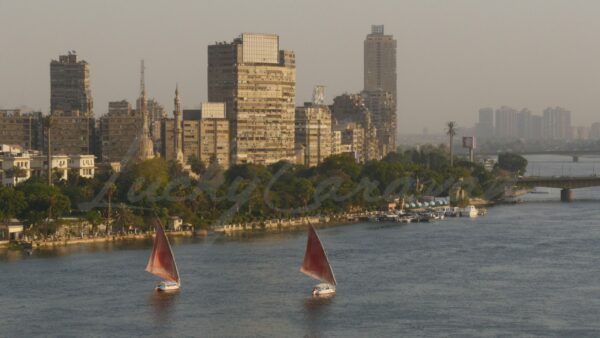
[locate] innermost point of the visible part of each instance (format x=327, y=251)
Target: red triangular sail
x=315, y=262
x=162, y=261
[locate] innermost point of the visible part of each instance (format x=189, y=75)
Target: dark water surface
x=531, y=269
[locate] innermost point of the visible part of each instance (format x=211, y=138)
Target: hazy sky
x=453, y=56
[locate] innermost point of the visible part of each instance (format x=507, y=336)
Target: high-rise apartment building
x=380, y=84
x=485, y=126
x=556, y=124
x=506, y=123
x=313, y=132
x=22, y=129
x=524, y=127
x=70, y=86
x=257, y=83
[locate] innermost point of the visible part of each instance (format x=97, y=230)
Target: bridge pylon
x=566, y=195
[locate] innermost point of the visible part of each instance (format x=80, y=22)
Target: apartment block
x=313, y=132
x=257, y=82
x=22, y=129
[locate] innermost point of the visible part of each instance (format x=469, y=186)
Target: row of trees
x=244, y=192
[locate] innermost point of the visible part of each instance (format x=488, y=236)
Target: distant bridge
x=575, y=154
x=566, y=183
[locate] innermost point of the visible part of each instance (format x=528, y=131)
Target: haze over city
x=453, y=57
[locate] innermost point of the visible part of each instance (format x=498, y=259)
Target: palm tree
x=451, y=132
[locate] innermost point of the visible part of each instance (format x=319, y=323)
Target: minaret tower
x=146, y=150
x=178, y=128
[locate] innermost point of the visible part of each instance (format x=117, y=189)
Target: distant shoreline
x=228, y=230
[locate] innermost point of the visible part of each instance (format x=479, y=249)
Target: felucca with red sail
x=317, y=265
x=162, y=261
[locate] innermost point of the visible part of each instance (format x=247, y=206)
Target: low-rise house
x=11, y=230
x=83, y=164
x=16, y=168
x=174, y=223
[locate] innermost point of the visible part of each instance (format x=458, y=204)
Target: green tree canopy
x=512, y=162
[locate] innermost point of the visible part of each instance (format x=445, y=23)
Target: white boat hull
x=167, y=286
x=323, y=289
x=469, y=211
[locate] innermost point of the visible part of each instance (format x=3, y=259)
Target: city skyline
x=452, y=58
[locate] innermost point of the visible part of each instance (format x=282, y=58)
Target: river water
x=531, y=269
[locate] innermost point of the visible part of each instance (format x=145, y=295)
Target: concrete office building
x=257, y=83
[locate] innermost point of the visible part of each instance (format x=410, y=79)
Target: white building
x=84, y=164
x=60, y=165
x=16, y=168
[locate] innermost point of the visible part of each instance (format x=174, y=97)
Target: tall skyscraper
x=380, y=84
x=70, y=86
x=380, y=62
x=257, y=83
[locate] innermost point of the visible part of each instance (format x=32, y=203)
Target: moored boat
x=317, y=265
x=469, y=211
